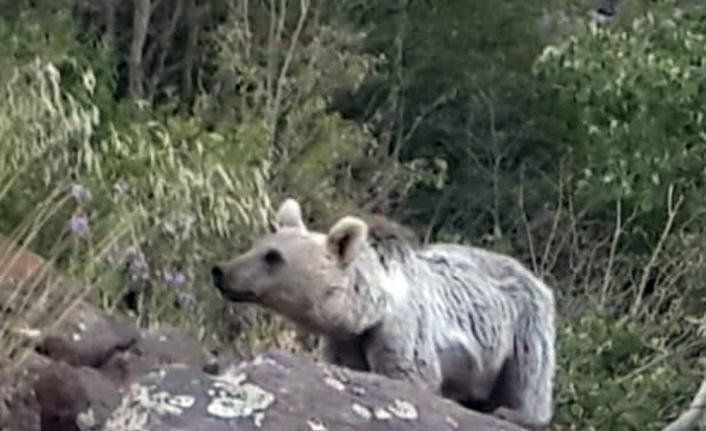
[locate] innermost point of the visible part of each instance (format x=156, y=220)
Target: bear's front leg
x=401, y=359
x=346, y=353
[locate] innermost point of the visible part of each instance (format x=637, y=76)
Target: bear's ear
x=289, y=215
x=345, y=238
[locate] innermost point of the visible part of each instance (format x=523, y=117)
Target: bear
x=465, y=323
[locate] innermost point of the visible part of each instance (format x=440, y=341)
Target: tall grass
x=113, y=212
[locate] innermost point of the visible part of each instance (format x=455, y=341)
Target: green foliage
x=453, y=86
x=632, y=102
x=636, y=102
x=40, y=123
x=611, y=378
x=431, y=111
x=156, y=194
x=148, y=200
x=24, y=32
x=146, y=191
x=274, y=97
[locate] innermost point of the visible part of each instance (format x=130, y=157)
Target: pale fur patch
x=395, y=284
x=319, y=238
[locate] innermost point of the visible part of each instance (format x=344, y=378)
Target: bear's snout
x=231, y=287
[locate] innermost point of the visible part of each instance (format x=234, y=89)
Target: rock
x=28, y=281
x=160, y=347
x=277, y=391
x=61, y=397
x=68, y=395
x=98, y=373
x=91, y=371
x=77, y=373
x=19, y=409
x=165, y=381
x=17, y=263
x=88, y=337
x=101, y=393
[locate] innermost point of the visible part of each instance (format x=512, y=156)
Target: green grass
x=61, y=160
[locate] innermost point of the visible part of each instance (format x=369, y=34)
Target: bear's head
x=305, y=275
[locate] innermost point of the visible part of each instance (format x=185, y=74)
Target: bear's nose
x=219, y=278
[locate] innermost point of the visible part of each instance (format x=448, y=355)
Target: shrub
x=151, y=196
x=611, y=378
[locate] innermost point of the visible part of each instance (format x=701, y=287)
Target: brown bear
x=468, y=324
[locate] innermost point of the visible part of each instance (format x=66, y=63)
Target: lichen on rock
x=143, y=403
x=404, y=410
x=316, y=425
x=361, y=411
x=334, y=383
x=231, y=398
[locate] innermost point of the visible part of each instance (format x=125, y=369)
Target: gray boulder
x=276, y=391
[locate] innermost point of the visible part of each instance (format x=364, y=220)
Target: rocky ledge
x=96, y=372
x=93, y=371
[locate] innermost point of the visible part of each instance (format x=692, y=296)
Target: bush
x=633, y=100
x=610, y=378
x=633, y=195
x=630, y=213
x=151, y=194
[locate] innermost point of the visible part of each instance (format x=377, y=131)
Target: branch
x=191, y=53
x=672, y=210
x=689, y=417
x=441, y=100
x=140, y=25
x=166, y=40
x=270, y=77
x=555, y=228
x=275, y=107
x=246, y=34
x=525, y=221
x=109, y=12
x=437, y=211
x=619, y=229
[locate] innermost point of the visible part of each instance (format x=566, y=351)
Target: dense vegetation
x=141, y=141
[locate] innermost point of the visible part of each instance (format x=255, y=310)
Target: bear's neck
x=369, y=278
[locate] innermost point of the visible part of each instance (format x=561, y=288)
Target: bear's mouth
x=219, y=282
x=244, y=296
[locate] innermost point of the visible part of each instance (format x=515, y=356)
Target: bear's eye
x=273, y=257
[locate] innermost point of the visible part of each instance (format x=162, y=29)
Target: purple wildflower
x=137, y=263
x=138, y=267
x=81, y=193
x=79, y=225
x=174, y=278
